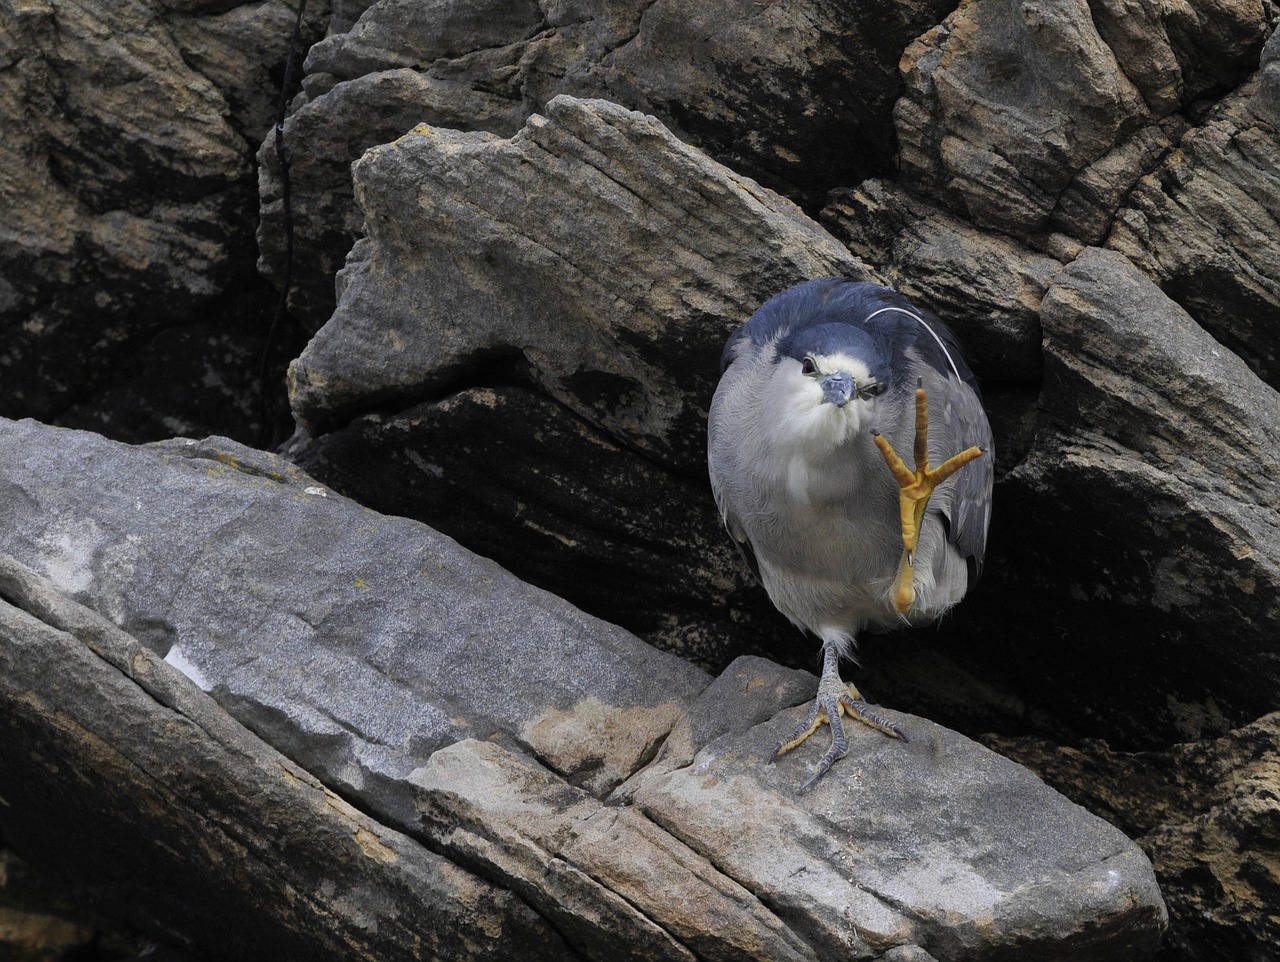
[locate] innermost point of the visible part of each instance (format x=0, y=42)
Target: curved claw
x=833, y=701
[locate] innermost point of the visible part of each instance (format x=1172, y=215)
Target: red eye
x=807, y=366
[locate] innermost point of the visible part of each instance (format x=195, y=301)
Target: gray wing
x=968, y=511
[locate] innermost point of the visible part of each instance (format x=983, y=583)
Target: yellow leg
x=915, y=488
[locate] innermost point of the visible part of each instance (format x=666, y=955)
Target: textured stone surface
x=876, y=860
x=1155, y=516
x=490, y=721
x=797, y=95
x=197, y=823
x=1032, y=117
x=388, y=642
x=129, y=201
x=1204, y=223
x=1206, y=813
x=587, y=516
x=605, y=328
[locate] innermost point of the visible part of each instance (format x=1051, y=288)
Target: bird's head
x=828, y=378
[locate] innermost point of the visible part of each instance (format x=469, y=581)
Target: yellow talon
x=916, y=487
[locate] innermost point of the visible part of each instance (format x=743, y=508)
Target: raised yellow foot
x=915, y=489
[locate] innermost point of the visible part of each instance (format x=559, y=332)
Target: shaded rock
x=1156, y=537
x=1203, y=224
x=798, y=96
x=382, y=658
x=517, y=477
x=129, y=199
x=1206, y=813
x=527, y=370
x=200, y=831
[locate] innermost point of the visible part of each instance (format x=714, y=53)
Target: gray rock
x=467, y=226
x=385, y=643
x=1004, y=103
x=465, y=709
x=877, y=861
x=1154, y=514
x=1204, y=223
x=200, y=831
x=582, y=374
x=798, y=96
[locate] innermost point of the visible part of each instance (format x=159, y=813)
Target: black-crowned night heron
x=817, y=389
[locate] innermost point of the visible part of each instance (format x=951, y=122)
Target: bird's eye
x=871, y=390
x=808, y=366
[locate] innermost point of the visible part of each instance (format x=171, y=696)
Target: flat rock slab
x=497, y=724
x=356, y=643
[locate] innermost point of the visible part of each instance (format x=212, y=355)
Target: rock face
x=128, y=298
x=520, y=350
x=799, y=95
x=537, y=336
x=214, y=823
x=598, y=783
x=1035, y=146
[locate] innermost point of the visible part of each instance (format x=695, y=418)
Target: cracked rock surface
x=598, y=783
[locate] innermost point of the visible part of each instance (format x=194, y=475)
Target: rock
x=470, y=226
x=1026, y=118
x=129, y=203
x=1155, y=522
x=201, y=832
x=798, y=96
x=1203, y=224
x=1204, y=811
x=518, y=478
x=1004, y=103
x=969, y=893
x=422, y=683
x=358, y=703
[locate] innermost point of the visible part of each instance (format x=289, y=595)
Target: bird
x=818, y=391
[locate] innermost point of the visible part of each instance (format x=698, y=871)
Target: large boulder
x=505, y=750
x=799, y=96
